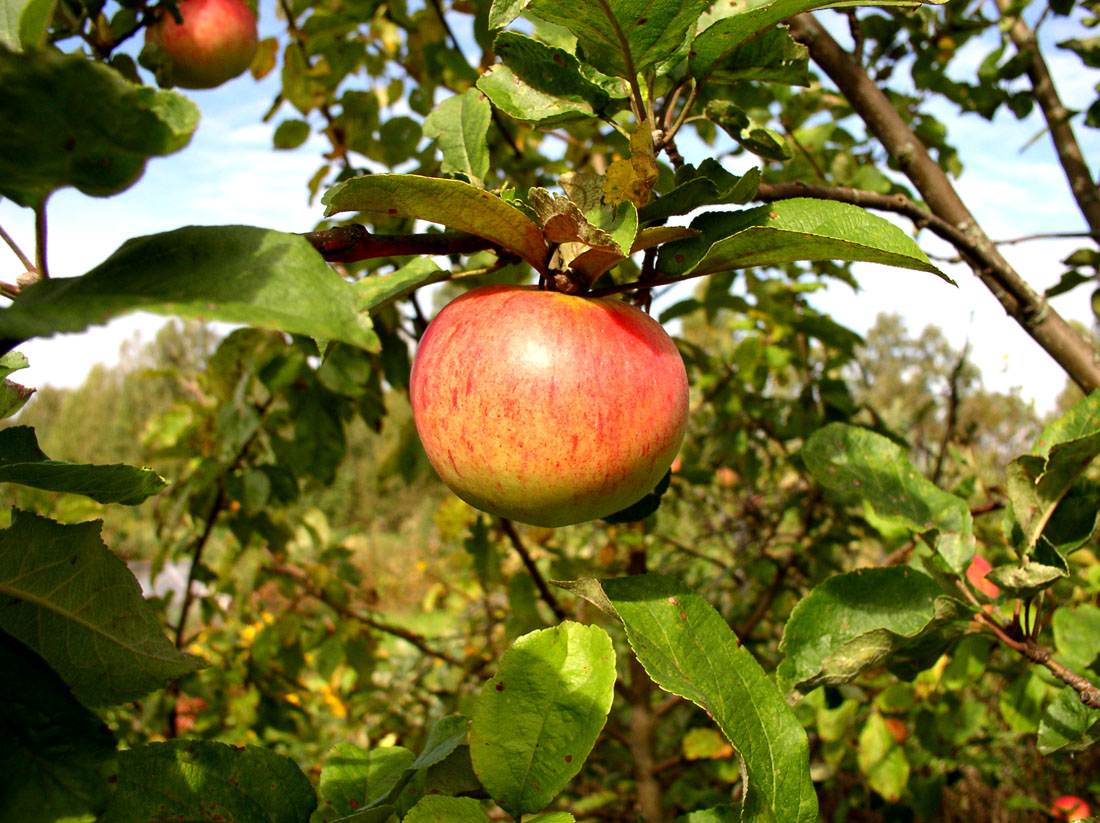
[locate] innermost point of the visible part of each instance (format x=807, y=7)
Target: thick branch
x=1057, y=116
x=1072, y=352
x=347, y=244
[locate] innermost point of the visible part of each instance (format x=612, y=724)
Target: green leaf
x=709, y=185
x=69, y=121
x=196, y=780
x=1024, y=581
x=854, y=621
x=616, y=35
x=1077, y=636
x=378, y=291
x=236, y=274
x=1068, y=725
x=688, y=649
x=719, y=814
x=446, y=736
x=772, y=56
x=12, y=396
x=790, y=230
x=290, y=134
x=22, y=462
x=23, y=23
x=537, y=719
x=539, y=83
x=461, y=125
x=881, y=760
x=437, y=809
x=354, y=779
x=1038, y=481
x=743, y=21
x=449, y=202
x=856, y=461
x=751, y=135
x=56, y=757
x=77, y=605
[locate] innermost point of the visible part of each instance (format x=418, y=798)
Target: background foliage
x=329, y=634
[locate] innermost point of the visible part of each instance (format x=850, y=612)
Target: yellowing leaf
x=635, y=178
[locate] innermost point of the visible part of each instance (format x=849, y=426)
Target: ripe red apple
x=216, y=42
x=977, y=570
x=1069, y=808
x=548, y=408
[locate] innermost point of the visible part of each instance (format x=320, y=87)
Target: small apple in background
x=977, y=570
x=548, y=408
x=1069, y=808
x=215, y=42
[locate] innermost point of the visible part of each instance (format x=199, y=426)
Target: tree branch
x=412, y=638
x=1090, y=694
x=1057, y=116
x=509, y=529
x=1072, y=351
x=353, y=242
x=7, y=238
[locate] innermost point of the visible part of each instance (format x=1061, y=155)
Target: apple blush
x=215, y=42
x=548, y=408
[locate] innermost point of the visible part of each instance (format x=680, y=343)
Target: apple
x=977, y=570
x=548, y=408
x=215, y=42
x=1069, y=808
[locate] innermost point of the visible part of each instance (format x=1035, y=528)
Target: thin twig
x=509, y=529
x=1090, y=694
x=40, y=236
x=26, y=261
x=416, y=640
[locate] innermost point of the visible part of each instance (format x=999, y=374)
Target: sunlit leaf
x=688, y=649
x=854, y=621
x=787, y=231
x=1038, y=481
x=539, y=83
x=538, y=717
x=449, y=202
x=23, y=23
x=860, y=462
x=460, y=124
x=236, y=274
x=619, y=35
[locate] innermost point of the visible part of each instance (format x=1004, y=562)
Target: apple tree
x=789, y=624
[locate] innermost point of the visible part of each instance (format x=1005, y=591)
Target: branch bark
x=353, y=242
x=1057, y=116
x=1068, y=348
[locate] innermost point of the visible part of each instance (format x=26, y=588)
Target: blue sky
x=230, y=174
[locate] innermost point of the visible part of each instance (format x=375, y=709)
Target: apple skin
x=977, y=570
x=1069, y=808
x=216, y=42
x=548, y=408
